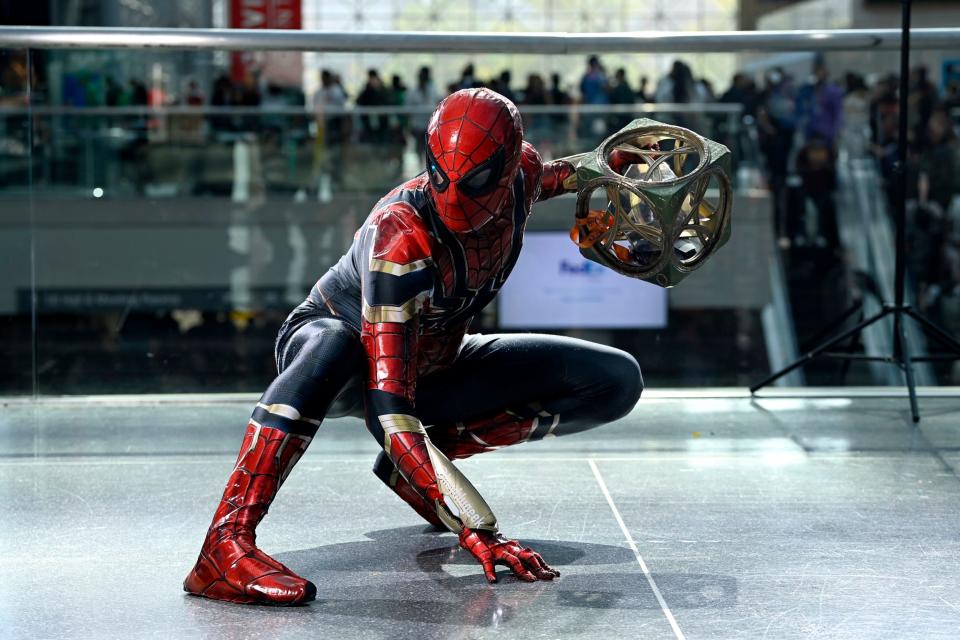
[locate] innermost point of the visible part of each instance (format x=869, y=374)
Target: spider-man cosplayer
x=383, y=334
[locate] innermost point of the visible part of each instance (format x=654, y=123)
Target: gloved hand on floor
x=493, y=548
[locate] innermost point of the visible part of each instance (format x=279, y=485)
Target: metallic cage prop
x=667, y=210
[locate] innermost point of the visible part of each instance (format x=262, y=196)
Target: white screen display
x=554, y=287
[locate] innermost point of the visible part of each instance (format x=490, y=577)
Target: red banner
x=260, y=14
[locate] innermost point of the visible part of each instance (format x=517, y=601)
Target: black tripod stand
x=899, y=310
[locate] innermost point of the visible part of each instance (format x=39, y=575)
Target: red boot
x=230, y=566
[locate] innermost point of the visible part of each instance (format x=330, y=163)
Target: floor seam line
x=636, y=552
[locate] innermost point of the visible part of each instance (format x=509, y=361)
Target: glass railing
x=174, y=151
x=158, y=249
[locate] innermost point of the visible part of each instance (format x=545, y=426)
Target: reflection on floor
x=783, y=518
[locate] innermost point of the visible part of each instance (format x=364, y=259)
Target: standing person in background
x=535, y=91
x=249, y=95
x=855, y=135
x=275, y=98
x=332, y=132
x=621, y=94
x=138, y=93
x=713, y=121
x=939, y=165
x=330, y=97
x=338, y=80
x=537, y=126
x=884, y=131
x=189, y=127
x=113, y=92
x=951, y=97
x=820, y=106
x=935, y=227
x=468, y=78
x=502, y=86
x=222, y=95
x=923, y=100
x=594, y=87
x=397, y=92
x=421, y=100
x=886, y=153
x=113, y=96
x=884, y=106
x=820, y=109
x=397, y=97
x=743, y=92
x=817, y=166
x=594, y=90
x=193, y=96
x=373, y=128
x=680, y=87
x=705, y=88
x=643, y=92
x=776, y=125
x=559, y=96
x=395, y=136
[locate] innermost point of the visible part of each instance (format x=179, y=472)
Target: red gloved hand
x=621, y=159
x=492, y=549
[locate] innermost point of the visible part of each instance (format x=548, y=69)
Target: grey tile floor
x=701, y=517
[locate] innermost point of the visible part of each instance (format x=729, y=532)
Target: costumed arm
x=397, y=279
x=560, y=176
x=546, y=179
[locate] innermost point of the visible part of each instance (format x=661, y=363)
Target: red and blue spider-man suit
x=384, y=334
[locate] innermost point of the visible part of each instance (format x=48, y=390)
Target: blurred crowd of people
x=804, y=129
x=416, y=96
x=798, y=125
x=795, y=128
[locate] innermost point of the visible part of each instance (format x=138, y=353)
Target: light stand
x=900, y=311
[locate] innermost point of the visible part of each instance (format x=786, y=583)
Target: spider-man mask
x=473, y=153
